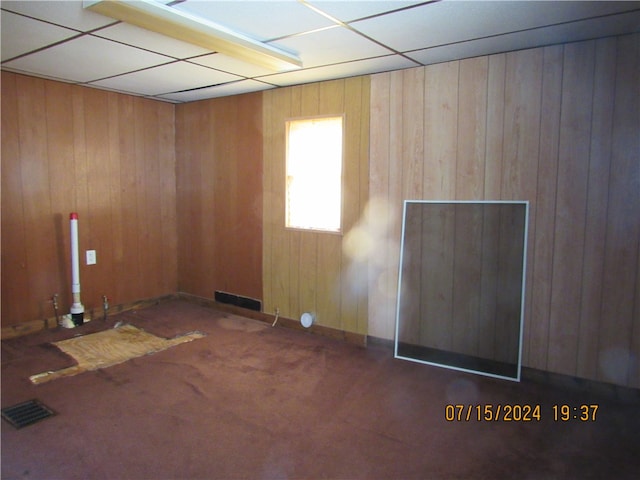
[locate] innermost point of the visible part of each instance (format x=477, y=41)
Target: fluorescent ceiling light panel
x=183, y=26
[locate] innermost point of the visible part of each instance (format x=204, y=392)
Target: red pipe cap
x=73, y=216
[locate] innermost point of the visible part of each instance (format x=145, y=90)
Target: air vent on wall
x=239, y=301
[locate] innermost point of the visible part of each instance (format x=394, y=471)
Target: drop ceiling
x=61, y=40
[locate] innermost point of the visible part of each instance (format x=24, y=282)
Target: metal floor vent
x=26, y=413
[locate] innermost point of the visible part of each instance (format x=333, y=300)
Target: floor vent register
x=26, y=413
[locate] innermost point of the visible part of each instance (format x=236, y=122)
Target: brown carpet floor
x=254, y=402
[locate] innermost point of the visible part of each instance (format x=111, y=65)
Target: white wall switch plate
x=91, y=257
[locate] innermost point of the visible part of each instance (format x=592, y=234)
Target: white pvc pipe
x=77, y=309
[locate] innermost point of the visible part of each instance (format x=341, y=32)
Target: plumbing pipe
x=54, y=299
x=105, y=306
x=77, y=309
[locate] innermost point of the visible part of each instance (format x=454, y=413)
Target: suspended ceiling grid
x=335, y=39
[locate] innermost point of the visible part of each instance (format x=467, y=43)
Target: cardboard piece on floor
x=108, y=348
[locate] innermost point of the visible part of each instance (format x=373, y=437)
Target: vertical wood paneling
x=131, y=275
x=74, y=149
x=380, y=304
x=221, y=178
x=249, y=174
x=206, y=192
x=544, y=225
x=353, y=272
x=15, y=276
x=152, y=196
x=492, y=175
x=285, y=262
x=389, y=280
x=143, y=255
x=219, y=189
x=523, y=85
x=523, y=88
x=494, y=131
x=167, y=196
x=35, y=166
x=307, y=270
x=560, y=130
x=597, y=199
x=619, y=317
x=441, y=130
x=97, y=219
x=113, y=173
x=376, y=220
x=412, y=132
x=575, y=131
x=268, y=205
x=471, y=139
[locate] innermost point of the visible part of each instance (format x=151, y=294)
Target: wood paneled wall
x=107, y=156
x=219, y=204
x=308, y=271
x=557, y=126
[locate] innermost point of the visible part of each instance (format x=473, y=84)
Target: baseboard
x=27, y=328
x=582, y=385
x=34, y=326
x=349, y=337
x=596, y=388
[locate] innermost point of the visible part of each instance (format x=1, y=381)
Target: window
x=314, y=174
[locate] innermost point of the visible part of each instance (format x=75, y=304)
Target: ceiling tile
x=429, y=25
x=155, y=42
x=243, y=86
x=65, y=13
x=333, y=45
x=229, y=64
x=258, y=19
x=350, y=10
x=452, y=21
x=167, y=78
x=583, y=30
x=85, y=59
x=349, y=69
x=15, y=43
